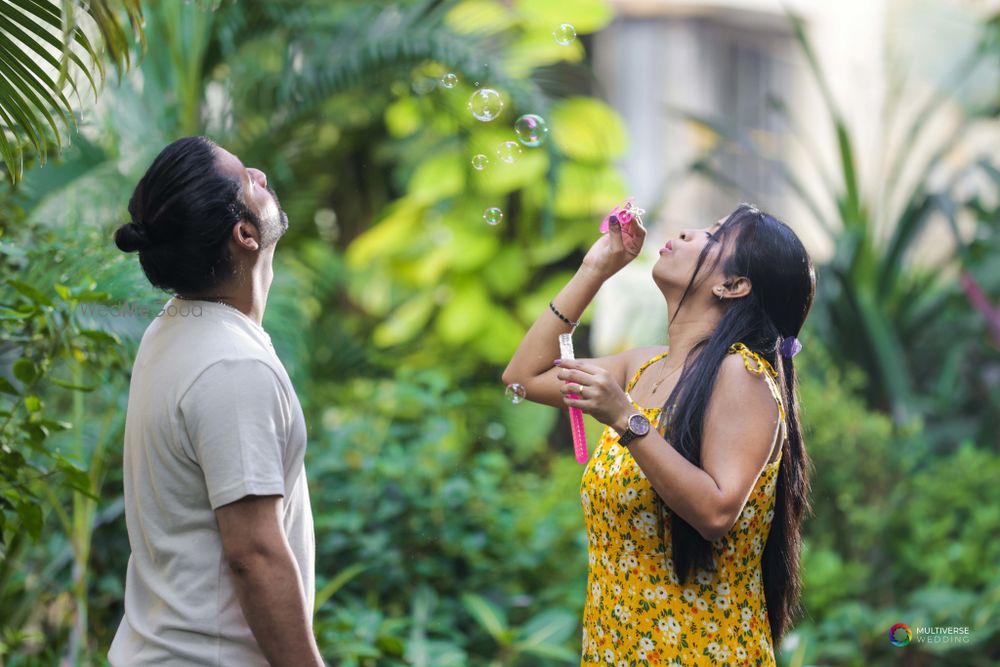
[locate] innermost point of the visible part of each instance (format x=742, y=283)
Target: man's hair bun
x=131, y=237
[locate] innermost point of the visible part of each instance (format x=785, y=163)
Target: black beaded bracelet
x=563, y=317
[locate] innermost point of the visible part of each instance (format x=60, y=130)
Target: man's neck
x=247, y=296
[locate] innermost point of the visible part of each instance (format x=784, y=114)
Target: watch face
x=638, y=424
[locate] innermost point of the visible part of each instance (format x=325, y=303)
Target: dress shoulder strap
x=758, y=365
x=635, y=378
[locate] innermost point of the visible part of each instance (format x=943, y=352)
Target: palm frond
x=43, y=48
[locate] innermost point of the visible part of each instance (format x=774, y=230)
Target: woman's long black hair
x=783, y=282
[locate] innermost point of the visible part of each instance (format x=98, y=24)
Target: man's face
x=256, y=195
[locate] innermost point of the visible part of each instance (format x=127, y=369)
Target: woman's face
x=679, y=257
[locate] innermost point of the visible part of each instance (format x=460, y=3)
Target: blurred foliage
x=876, y=295
x=448, y=522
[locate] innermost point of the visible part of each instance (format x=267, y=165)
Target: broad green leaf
x=465, y=315
x=395, y=231
x=551, y=627
x=101, y=336
x=500, y=339
x=440, y=176
x=27, y=290
x=339, y=581
x=588, y=191
x=7, y=388
x=32, y=403
x=406, y=321
x=25, y=370
x=538, y=48
x=402, y=117
x=30, y=515
x=588, y=130
x=586, y=16
x=501, y=178
x=488, y=615
x=473, y=244
x=474, y=16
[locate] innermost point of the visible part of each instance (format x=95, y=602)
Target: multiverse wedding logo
x=901, y=635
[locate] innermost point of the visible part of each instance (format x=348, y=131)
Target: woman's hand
x=615, y=249
x=599, y=395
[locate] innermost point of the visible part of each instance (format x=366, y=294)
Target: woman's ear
x=735, y=288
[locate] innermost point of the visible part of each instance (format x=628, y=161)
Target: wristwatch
x=638, y=426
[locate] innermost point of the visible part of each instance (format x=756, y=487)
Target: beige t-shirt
x=212, y=417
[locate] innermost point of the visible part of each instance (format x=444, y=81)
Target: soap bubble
x=564, y=34
x=493, y=216
x=480, y=162
x=531, y=129
x=449, y=80
x=485, y=104
x=423, y=84
x=515, y=393
x=508, y=151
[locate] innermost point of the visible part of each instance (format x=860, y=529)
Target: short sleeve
x=237, y=416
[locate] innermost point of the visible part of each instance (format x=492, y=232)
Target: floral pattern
x=637, y=613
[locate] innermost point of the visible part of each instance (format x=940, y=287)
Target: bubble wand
x=575, y=414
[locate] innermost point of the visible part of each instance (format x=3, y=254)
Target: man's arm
x=267, y=579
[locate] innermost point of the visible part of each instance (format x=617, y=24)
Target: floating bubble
x=480, y=162
x=508, y=151
x=493, y=216
x=449, y=80
x=423, y=84
x=485, y=104
x=531, y=129
x=515, y=393
x=564, y=34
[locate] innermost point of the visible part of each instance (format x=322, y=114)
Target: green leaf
x=75, y=477
x=588, y=130
x=438, y=177
x=406, y=321
x=30, y=515
x=32, y=403
x=25, y=370
x=33, y=294
x=101, y=336
x=70, y=385
x=488, y=615
x=7, y=388
x=338, y=582
x=465, y=314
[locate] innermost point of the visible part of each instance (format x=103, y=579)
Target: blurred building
x=664, y=63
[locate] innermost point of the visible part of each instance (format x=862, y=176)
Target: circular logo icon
x=900, y=635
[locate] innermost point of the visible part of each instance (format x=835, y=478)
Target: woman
x=692, y=523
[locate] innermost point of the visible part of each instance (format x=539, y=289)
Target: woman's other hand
x=600, y=395
x=615, y=249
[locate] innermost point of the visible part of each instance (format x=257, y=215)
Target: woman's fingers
x=615, y=236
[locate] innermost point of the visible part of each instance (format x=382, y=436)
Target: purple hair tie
x=790, y=347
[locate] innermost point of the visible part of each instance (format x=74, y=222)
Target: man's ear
x=246, y=236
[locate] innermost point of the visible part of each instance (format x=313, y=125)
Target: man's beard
x=274, y=227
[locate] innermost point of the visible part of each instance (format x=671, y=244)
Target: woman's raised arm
x=532, y=364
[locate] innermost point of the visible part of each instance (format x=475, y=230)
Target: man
x=216, y=501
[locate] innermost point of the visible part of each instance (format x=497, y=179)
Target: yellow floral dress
x=637, y=613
